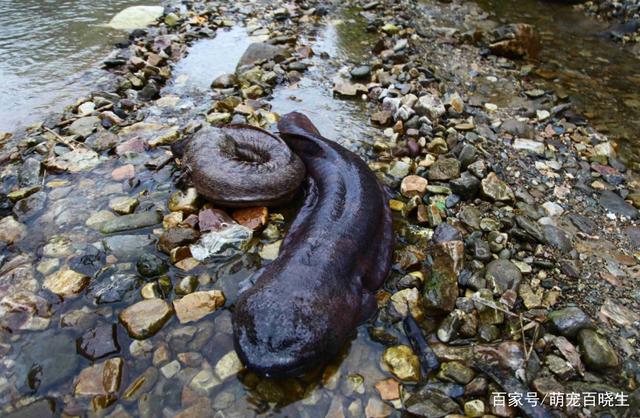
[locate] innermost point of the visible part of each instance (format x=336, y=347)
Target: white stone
x=136, y=17
x=553, y=209
x=170, y=369
x=604, y=149
x=228, y=365
x=529, y=145
x=543, y=114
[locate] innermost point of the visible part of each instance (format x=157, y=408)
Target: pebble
x=123, y=205
x=145, y=318
x=596, y=351
x=66, y=283
x=569, y=321
x=197, y=305
x=402, y=363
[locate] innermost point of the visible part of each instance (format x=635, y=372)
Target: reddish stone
x=124, y=173
x=253, y=218
x=213, y=220
x=132, y=145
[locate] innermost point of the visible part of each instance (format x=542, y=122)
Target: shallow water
x=601, y=76
x=50, y=50
x=58, y=230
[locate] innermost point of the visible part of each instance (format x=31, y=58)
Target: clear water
x=49, y=53
x=601, y=77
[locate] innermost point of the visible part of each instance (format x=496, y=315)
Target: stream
x=578, y=58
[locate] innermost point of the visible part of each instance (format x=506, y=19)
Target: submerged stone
x=145, y=318
x=129, y=222
x=197, y=305
x=402, y=362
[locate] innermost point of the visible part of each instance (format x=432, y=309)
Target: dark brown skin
x=306, y=304
x=242, y=166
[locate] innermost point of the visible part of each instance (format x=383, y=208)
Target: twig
x=75, y=118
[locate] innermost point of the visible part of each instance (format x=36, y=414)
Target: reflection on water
x=601, y=77
x=47, y=47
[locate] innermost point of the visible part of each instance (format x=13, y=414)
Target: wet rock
x=596, y=351
x=204, y=382
x=224, y=81
x=457, y=372
x=402, y=362
x=252, y=218
x=136, y=17
x=441, y=287
x=516, y=41
x=113, y=287
x=30, y=206
x=222, y=244
x=377, y=409
x=127, y=246
x=47, y=359
x=197, y=305
x=229, y=365
x=502, y=275
x=130, y=222
x=474, y=408
x=66, y=283
x=84, y=127
x=186, y=202
x=145, y=318
x=346, y=88
x=124, y=172
x=99, y=342
x=100, y=379
x=617, y=205
x=150, y=265
x=430, y=403
x=177, y=237
x=568, y=321
x=257, y=52
x=123, y=205
x=11, y=231
x=141, y=385
x=29, y=173
x=97, y=219
x=407, y=301
x=413, y=186
x=42, y=408
x=360, y=72
x=212, y=220
x=389, y=389
x=444, y=169
x=444, y=233
x=495, y=189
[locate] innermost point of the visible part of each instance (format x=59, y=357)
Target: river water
x=72, y=199
x=50, y=53
x=578, y=58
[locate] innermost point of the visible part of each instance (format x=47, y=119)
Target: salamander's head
x=296, y=123
x=278, y=336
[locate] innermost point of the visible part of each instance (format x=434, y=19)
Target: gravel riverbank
x=516, y=268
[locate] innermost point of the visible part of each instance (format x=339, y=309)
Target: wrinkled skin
x=241, y=166
x=306, y=304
